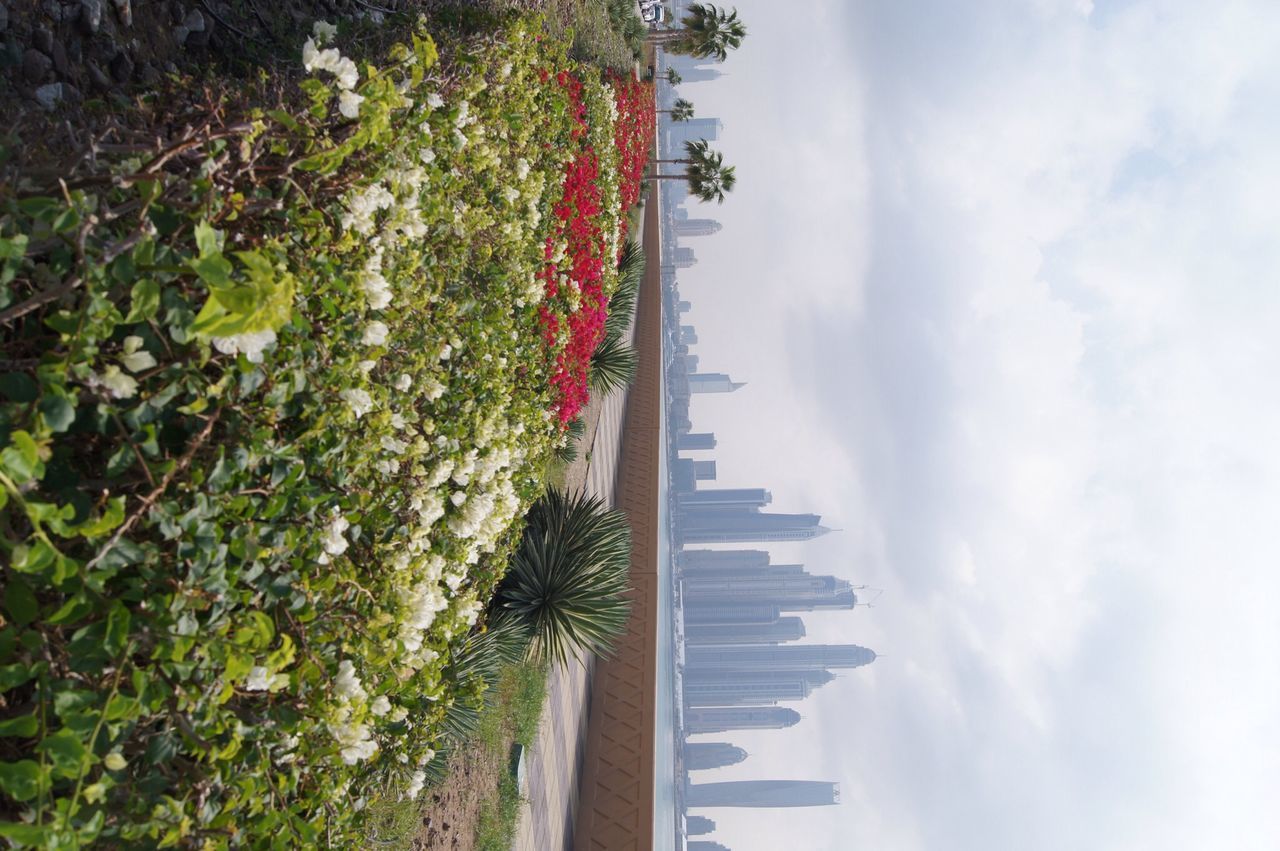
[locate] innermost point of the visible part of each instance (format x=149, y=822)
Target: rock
x=4, y=17
x=60, y=58
x=98, y=77
x=199, y=39
x=180, y=34
x=52, y=9
x=121, y=67
x=75, y=50
x=48, y=95
x=124, y=10
x=35, y=65
x=91, y=14
x=194, y=22
x=171, y=67
x=71, y=94
x=42, y=40
x=149, y=74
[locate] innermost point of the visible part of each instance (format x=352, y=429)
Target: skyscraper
x=790, y=628
x=704, y=471
x=726, y=498
x=703, y=755
x=703, y=687
x=721, y=719
x=696, y=441
x=781, y=657
x=741, y=526
x=697, y=227
x=692, y=558
x=698, y=825
x=703, y=845
x=790, y=591
x=715, y=614
x=713, y=382
x=683, y=257
x=764, y=793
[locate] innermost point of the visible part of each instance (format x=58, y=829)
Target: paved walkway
x=552, y=764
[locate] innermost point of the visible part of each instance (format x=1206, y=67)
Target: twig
x=150, y=498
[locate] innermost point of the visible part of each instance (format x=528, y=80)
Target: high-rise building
x=704, y=471
x=683, y=257
x=696, y=441
x=688, y=335
x=720, y=719
x=704, y=687
x=777, y=658
x=716, y=614
x=792, y=592
x=741, y=526
x=726, y=498
x=691, y=364
x=698, y=825
x=790, y=628
x=697, y=227
x=703, y=845
x=763, y=793
x=684, y=306
x=699, y=756
x=736, y=558
x=713, y=382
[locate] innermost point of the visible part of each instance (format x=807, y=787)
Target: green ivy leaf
x=145, y=301
x=20, y=601
x=58, y=410
x=18, y=387
x=21, y=459
x=67, y=753
x=15, y=674
x=22, y=781
x=22, y=727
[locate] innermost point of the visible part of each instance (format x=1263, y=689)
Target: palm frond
x=613, y=365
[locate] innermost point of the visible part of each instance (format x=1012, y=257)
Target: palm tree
x=709, y=178
x=709, y=33
x=673, y=77
x=682, y=110
x=568, y=577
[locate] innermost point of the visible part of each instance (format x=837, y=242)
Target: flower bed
x=279, y=391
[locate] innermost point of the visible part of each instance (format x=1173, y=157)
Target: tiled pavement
x=552, y=764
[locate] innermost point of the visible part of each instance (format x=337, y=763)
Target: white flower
x=359, y=400
x=114, y=761
x=446, y=352
x=432, y=388
x=347, y=683
x=458, y=497
x=375, y=333
x=459, y=139
x=356, y=742
x=366, y=366
x=427, y=155
x=333, y=541
x=260, y=680
x=435, y=101
x=416, y=785
x=116, y=383
x=349, y=104
x=380, y=705
x=397, y=715
x=136, y=358
x=404, y=382
x=323, y=31
x=522, y=168
x=251, y=344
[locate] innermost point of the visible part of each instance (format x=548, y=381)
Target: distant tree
x=708, y=177
x=673, y=77
x=708, y=33
x=682, y=110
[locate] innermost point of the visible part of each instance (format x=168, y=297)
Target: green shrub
x=274, y=404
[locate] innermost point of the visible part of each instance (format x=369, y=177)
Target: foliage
x=673, y=77
x=613, y=365
x=681, y=110
x=627, y=23
x=278, y=392
x=568, y=576
x=709, y=178
x=567, y=453
x=709, y=32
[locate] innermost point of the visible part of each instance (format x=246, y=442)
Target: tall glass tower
x=786, y=657
x=764, y=793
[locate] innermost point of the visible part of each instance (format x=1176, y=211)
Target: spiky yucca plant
x=613, y=365
x=568, y=453
x=568, y=578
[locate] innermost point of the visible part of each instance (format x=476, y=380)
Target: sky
x=1004, y=280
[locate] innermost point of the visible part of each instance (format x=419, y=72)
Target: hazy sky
x=1005, y=281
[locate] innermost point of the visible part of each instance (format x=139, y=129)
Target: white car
x=655, y=13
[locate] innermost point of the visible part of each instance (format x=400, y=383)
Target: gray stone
x=52, y=9
x=91, y=14
x=121, y=67
x=42, y=40
x=48, y=95
x=194, y=22
x=199, y=39
x=98, y=77
x=180, y=34
x=60, y=58
x=35, y=65
x=4, y=17
x=75, y=49
x=149, y=74
x=124, y=11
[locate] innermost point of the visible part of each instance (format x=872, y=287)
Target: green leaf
x=20, y=601
x=23, y=727
x=21, y=459
x=22, y=780
x=208, y=239
x=58, y=410
x=146, y=301
x=37, y=836
x=33, y=557
x=15, y=675
x=71, y=611
x=67, y=753
x=117, y=628
x=214, y=270
x=18, y=387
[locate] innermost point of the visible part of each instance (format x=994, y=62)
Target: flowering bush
x=278, y=391
x=633, y=134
